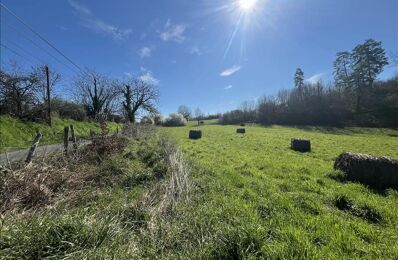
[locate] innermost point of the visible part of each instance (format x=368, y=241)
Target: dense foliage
x=175, y=119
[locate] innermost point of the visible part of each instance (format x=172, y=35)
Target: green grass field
x=250, y=197
x=258, y=198
x=15, y=134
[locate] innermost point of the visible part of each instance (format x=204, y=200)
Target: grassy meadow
x=258, y=198
x=228, y=196
x=16, y=134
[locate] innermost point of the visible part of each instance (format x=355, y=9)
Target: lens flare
x=247, y=5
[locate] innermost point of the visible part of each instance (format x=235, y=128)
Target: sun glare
x=246, y=5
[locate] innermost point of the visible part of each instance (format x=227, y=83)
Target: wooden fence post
x=66, y=139
x=72, y=129
x=33, y=148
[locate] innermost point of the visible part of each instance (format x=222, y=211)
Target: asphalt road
x=40, y=151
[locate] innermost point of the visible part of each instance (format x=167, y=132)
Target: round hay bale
x=242, y=124
x=241, y=130
x=195, y=134
x=377, y=172
x=300, y=145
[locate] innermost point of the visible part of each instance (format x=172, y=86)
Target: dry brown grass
x=52, y=179
x=163, y=198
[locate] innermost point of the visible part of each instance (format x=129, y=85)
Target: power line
x=27, y=52
x=16, y=53
x=38, y=35
x=38, y=46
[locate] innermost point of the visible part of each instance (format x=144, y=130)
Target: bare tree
x=199, y=115
x=18, y=92
x=185, y=111
x=139, y=95
x=97, y=93
x=40, y=73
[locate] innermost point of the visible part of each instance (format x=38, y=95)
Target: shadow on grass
x=341, y=130
x=341, y=177
x=365, y=212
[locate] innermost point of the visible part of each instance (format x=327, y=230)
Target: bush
x=158, y=119
x=237, y=117
x=175, y=119
x=146, y=120
x=67, y=109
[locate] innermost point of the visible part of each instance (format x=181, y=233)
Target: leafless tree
x=139, y=96
x=40, y=73
x=185, y=111
x=18, y=92
x=97, y=93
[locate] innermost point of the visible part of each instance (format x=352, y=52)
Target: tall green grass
x=16, y=134
x=259, y=199
x=252, y=197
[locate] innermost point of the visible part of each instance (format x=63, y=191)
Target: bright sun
x=246, y=5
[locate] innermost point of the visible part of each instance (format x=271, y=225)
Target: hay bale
x=241, y=130
x=377, y=172
x=301, y=145
x=195, y=134
x=242, y=124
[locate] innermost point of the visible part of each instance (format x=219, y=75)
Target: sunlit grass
x=16, y=134
x=252, y=197
x=264, y=199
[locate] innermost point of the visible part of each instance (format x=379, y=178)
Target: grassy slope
x=101, y=221
x=16, y=134
x=259, y=198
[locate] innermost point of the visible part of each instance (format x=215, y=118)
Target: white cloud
x=79, y=8
x=315, y=78
x=148, y=78
x=108, y=29
x=145, y=75
x=173, y=32
x=96, y=25
x=230, y=71
x=195, y=50
x=228, y=87
x=145, y=52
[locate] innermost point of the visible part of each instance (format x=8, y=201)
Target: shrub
x=175, y=119
x=158, y=119
x=146, y=120
x=237, y=117
x=67, y=109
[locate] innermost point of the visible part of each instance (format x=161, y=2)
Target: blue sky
x=210, y=54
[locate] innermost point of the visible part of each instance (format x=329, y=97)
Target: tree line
x=96, y=96
x=355, y=97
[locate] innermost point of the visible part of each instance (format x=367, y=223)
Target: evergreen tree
x=299, y=78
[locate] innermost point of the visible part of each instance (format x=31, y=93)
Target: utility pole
x=48, y=97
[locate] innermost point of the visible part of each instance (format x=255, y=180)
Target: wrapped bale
x=301, y=145
x=242, y=124
x=377, y=172
x=195, y=134
x=241, y=130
